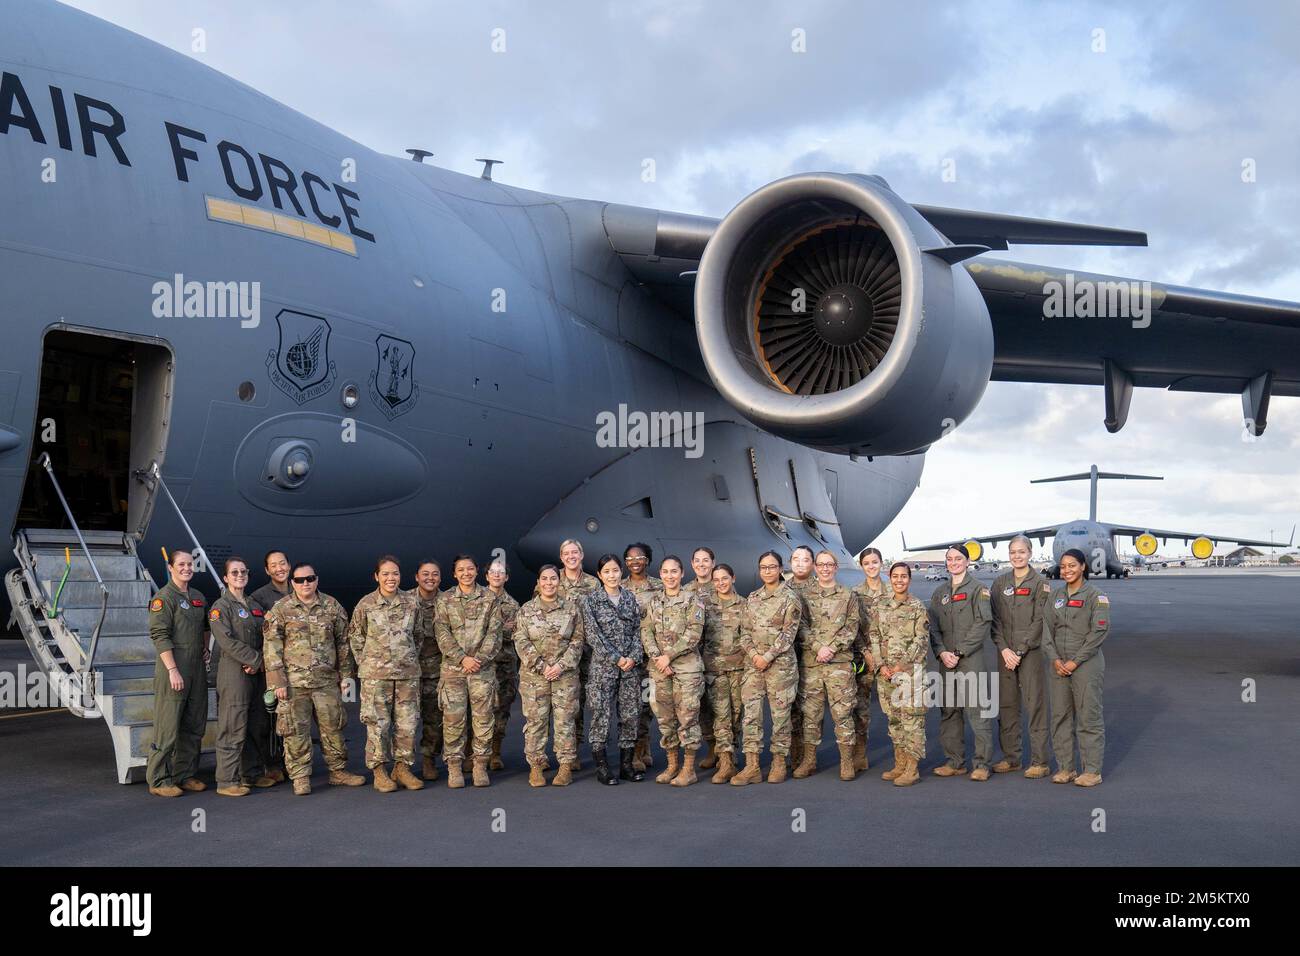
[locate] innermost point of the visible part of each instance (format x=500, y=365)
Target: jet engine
x=831, y=313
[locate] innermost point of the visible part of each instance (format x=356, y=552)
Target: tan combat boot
x=564, y=776
x=1087, y=780
x=264, y=782
x=341, y=778
x=455, y=773
x=496, y=763
x=301, y=786
x=726, y=767
x=686, y=776
x=893, y=772
x=404, y=776
x=1006, y=766
x=1038, y=771
x=168, y=790
x=277, y=775
x=943, y=770
x=777, y=772
x=847, y=770
x=193, y=785
x=710, y=756
x=429, y=769
x=752, y=772
x=535, y=776
x=808, y=765
x=980, y=774
x=481, y=772
x=383, y=782
x=674, y=762
x=1063, y=776
x=910, y=773
x=234, y=790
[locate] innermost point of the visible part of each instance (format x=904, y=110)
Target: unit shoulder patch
x=214, y=615
x=156, y=604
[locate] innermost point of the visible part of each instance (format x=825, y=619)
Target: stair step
x=112, y=565
x=142, y=737
x=136, y=709
x=86, y=595
x=112, y=686
x=118, y=621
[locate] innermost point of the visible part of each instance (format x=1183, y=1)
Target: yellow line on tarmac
x=34, y=713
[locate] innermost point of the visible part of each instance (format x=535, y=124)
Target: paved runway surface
x=1193, y=775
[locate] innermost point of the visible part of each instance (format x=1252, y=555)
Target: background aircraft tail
x=1091, y=476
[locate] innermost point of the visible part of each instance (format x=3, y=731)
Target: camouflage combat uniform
x=833, y=624
x=864, y=669
x=507, y=669
x=724, y=668
x=243, y=728
x=1018, y=626
x=643, y=592
x=704, y=591
x=430, y=669
x=575, y=591
x=306, y=649
x=768, y=628
x=386, y=646
x=1074, y=627
x=176, y=624
x=548, y=633
x=674, y=625
x=613, y=632
x=900, y=637
x=468, y=625
x=960, y=619
x=800, y=588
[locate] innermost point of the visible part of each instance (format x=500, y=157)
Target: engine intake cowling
x=823, y=318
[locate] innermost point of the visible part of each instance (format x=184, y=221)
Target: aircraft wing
x=1186, y=340
x=1135, y=530
x=992, y=540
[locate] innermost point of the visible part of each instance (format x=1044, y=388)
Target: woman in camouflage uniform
x=549, y=637
x=767, y=633
x=612, y=620
x=670, y=636
x=900, y=643
x=724, y=668
x=871, y=590
x=387, y=651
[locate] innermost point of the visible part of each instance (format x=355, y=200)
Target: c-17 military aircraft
x=1096, y=539
x=229, y=327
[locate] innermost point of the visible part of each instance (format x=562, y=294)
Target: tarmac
x=1194, y=775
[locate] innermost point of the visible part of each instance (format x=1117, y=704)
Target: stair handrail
x=88, y=668
x=155, y=474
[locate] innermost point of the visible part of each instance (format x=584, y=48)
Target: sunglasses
x=238, y=572
x=308, y=579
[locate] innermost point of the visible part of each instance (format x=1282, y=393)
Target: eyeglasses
x=825, y=566
x=238, y=573
x=769, y=567
x=308, y=579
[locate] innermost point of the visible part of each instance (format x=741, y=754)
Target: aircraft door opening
x=102, y=413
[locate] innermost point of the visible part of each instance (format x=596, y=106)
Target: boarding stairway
x=81, y=601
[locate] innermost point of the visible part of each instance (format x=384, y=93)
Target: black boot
x=625, y=769
x=602, y=768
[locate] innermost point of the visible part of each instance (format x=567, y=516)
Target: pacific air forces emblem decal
x=392, y=383
x=300, y=365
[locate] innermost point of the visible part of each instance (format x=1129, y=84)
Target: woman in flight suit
x=1075, y=623
x=243, y=727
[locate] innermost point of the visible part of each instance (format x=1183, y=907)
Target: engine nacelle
x=825, y=315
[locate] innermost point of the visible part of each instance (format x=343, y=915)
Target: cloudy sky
x=1097, y=112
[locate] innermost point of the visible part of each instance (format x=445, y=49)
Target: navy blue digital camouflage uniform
x=613, y=631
